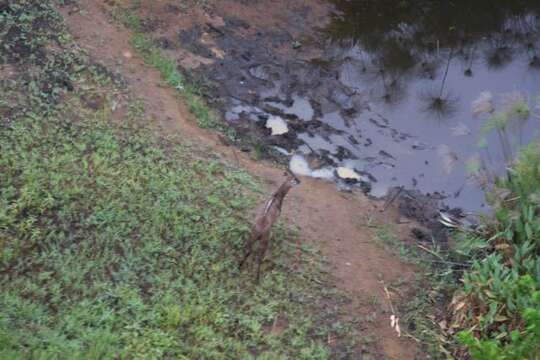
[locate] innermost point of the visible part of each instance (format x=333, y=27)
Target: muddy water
x=420, y=72
x=385, y=89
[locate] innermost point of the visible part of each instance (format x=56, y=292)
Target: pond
x=421, y=66
x=436, y=96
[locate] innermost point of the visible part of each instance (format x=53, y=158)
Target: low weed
x=115, y=243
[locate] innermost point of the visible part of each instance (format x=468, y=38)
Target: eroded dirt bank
x=338, y=223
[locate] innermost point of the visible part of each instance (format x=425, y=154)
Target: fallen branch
x=394, y=320
x=431, y=252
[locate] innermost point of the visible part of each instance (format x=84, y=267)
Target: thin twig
x=412, y=337
x=394, y=318
x=389, y=298
x=431, y=252
x=446, y=262
x=394, y=197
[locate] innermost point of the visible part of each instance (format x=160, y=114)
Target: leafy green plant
x=521, y=344
x=26, y=26
x=498, y=304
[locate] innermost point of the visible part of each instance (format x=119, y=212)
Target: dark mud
x=426, y=210
x=384, y=93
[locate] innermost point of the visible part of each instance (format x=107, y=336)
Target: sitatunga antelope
x=260, y=230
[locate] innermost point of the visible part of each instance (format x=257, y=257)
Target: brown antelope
x=260, y=230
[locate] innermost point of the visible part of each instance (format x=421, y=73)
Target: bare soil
x=337, y=223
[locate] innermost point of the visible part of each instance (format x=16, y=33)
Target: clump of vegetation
x=499, y=303
x=483, y=300
x=115, y=243
x=507, y=122
x=489, y=277
x=26, y=26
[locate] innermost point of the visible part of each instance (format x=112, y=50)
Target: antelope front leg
x=260, y=254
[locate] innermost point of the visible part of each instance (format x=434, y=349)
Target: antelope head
x=291, y=179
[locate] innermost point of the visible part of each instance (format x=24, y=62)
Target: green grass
x=170, y=74
x=114, y=246
x=117, y=243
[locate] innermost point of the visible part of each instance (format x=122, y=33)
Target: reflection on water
x=419, y=66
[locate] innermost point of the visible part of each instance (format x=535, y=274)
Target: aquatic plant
x=441, y=105
x=441, y=102
x=511, y=118
x=483, y=104
x=498, y=56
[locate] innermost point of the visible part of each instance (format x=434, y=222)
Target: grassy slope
x=116, y=243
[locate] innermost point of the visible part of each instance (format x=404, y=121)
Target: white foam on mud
x=299, y=165
x=348, y=174
x=324, y=173
x=277, y=125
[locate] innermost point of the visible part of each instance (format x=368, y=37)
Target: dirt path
x=335, y=222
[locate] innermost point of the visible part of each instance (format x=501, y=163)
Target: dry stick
x=311, y=149
x=441, y=259
x=368, y=226
x=431, y=252
x=394, y=197
x=215, y=29
x=394, y=318
x=412, y=337
x=389, y=298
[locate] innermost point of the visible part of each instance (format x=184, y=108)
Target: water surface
x=386, y=89
x=414, y=70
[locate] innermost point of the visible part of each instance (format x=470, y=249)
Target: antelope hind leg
x=249, y=248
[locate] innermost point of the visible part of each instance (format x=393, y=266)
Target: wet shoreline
x=382, y=110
